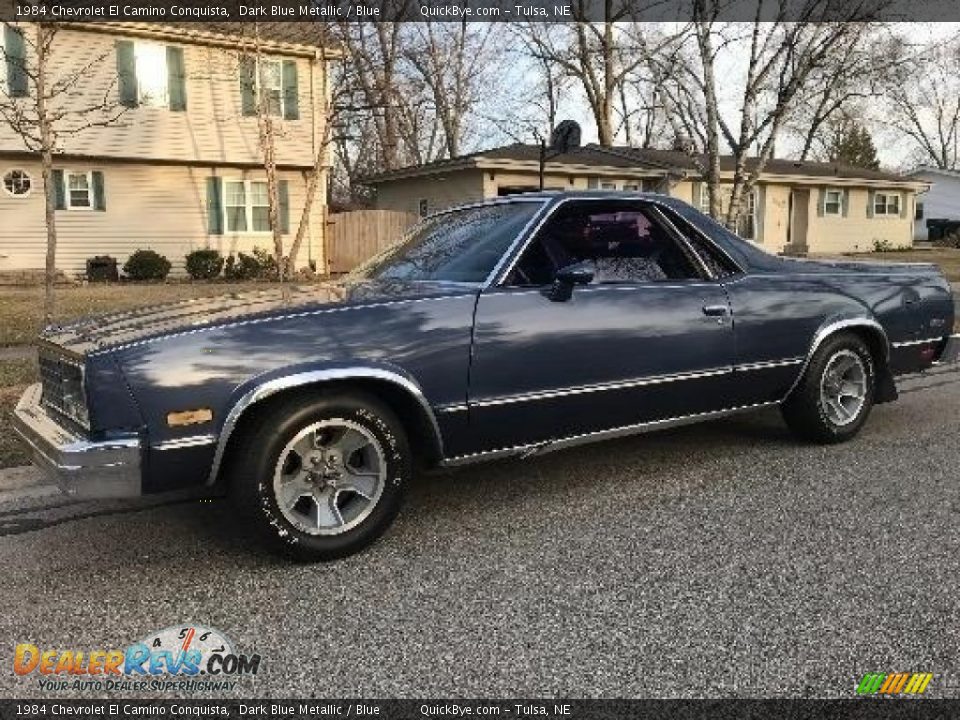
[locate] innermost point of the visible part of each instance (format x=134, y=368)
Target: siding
x=211, y=130
x=941, y=201
x=442, y=191
x=162, y=208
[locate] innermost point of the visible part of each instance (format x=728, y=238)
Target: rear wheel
x=322, y=478
x=835, y=395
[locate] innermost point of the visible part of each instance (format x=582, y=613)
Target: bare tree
x=598, y=55
x=46, y=104
x=451, y=59
x=855, y=72
x=781, y=57
x=924, y=103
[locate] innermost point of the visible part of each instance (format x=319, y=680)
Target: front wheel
x=835, y=395
x=322, y=478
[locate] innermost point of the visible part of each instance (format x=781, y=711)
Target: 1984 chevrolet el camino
x=512, y=327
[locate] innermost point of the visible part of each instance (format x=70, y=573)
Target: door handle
x=715, y=310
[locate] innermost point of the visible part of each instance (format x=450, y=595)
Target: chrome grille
x=62, y=383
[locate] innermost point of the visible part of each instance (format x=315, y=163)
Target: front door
x=649, y=339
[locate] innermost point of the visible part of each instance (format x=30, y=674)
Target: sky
x=892, y=151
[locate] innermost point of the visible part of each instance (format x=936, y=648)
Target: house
x=794, y=207
x=181, y=169
x=941, y=202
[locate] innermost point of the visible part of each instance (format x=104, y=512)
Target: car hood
x=114, y=330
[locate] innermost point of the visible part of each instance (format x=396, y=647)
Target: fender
x=263, y=388
x=831, y=327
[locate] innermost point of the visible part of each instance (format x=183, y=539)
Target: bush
x=204, y=264
x=146, y=265
x=259, y=266
x=241, y=267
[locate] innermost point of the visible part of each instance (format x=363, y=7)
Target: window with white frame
x=886, y=204
x=270, y=85
x=79, y=187
x=833, y=202
x=150, y=60
x=246, y=206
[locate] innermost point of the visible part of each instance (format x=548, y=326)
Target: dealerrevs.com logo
x=188, y=657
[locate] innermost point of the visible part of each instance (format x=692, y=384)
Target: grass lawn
x=947, y=258
x=15, y=375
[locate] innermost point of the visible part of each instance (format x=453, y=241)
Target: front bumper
x=951, y=351
x=109, y=468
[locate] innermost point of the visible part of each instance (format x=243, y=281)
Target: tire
x=824, y=410
x=323, y=477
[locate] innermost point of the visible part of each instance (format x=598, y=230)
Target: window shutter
x=844, y=202
x=870, y=197
x=903, y=206
x=248, y=68
x=283, y=196
x=821, y=202
x=126, y=73
x=291, y=109
x=214, y=206
x=16, y=54
x=59, y=191
x=176, y=79
x=99, y=199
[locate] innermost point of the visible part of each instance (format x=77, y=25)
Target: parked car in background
x=514, y=327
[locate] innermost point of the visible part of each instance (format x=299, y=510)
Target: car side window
x=624, y=241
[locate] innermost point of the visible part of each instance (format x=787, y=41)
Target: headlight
x=63, y=388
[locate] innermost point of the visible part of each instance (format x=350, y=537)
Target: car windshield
x=459, y=246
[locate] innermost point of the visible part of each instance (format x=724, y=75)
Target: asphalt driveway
x=720, y=560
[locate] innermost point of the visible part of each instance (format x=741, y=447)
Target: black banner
x=445, y=709
x=476, y=10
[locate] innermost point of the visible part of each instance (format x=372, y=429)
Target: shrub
x=261, y=265
x=146, y=265
x=204, y=264
x=241, y=267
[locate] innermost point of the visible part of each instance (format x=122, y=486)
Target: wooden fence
x=353, y=237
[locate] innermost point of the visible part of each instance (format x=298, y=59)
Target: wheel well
x=424, y=443
x=875, y=341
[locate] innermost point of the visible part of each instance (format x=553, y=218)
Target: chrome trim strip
x=909, y=343
x=601, y=387
x=824, y=332
x=768, y=364
x=445, y=409
x=531, y=449
x=276, y=385
x=185, y=442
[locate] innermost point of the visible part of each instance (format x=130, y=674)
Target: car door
x=649, y=339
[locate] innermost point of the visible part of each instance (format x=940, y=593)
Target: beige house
x=181, y=169
x=795, y=206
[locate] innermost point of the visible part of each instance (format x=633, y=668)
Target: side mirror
x=580, y=273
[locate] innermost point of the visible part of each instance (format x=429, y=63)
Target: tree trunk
x=47, y=144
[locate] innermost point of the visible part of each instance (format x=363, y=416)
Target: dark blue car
x=514, y=327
